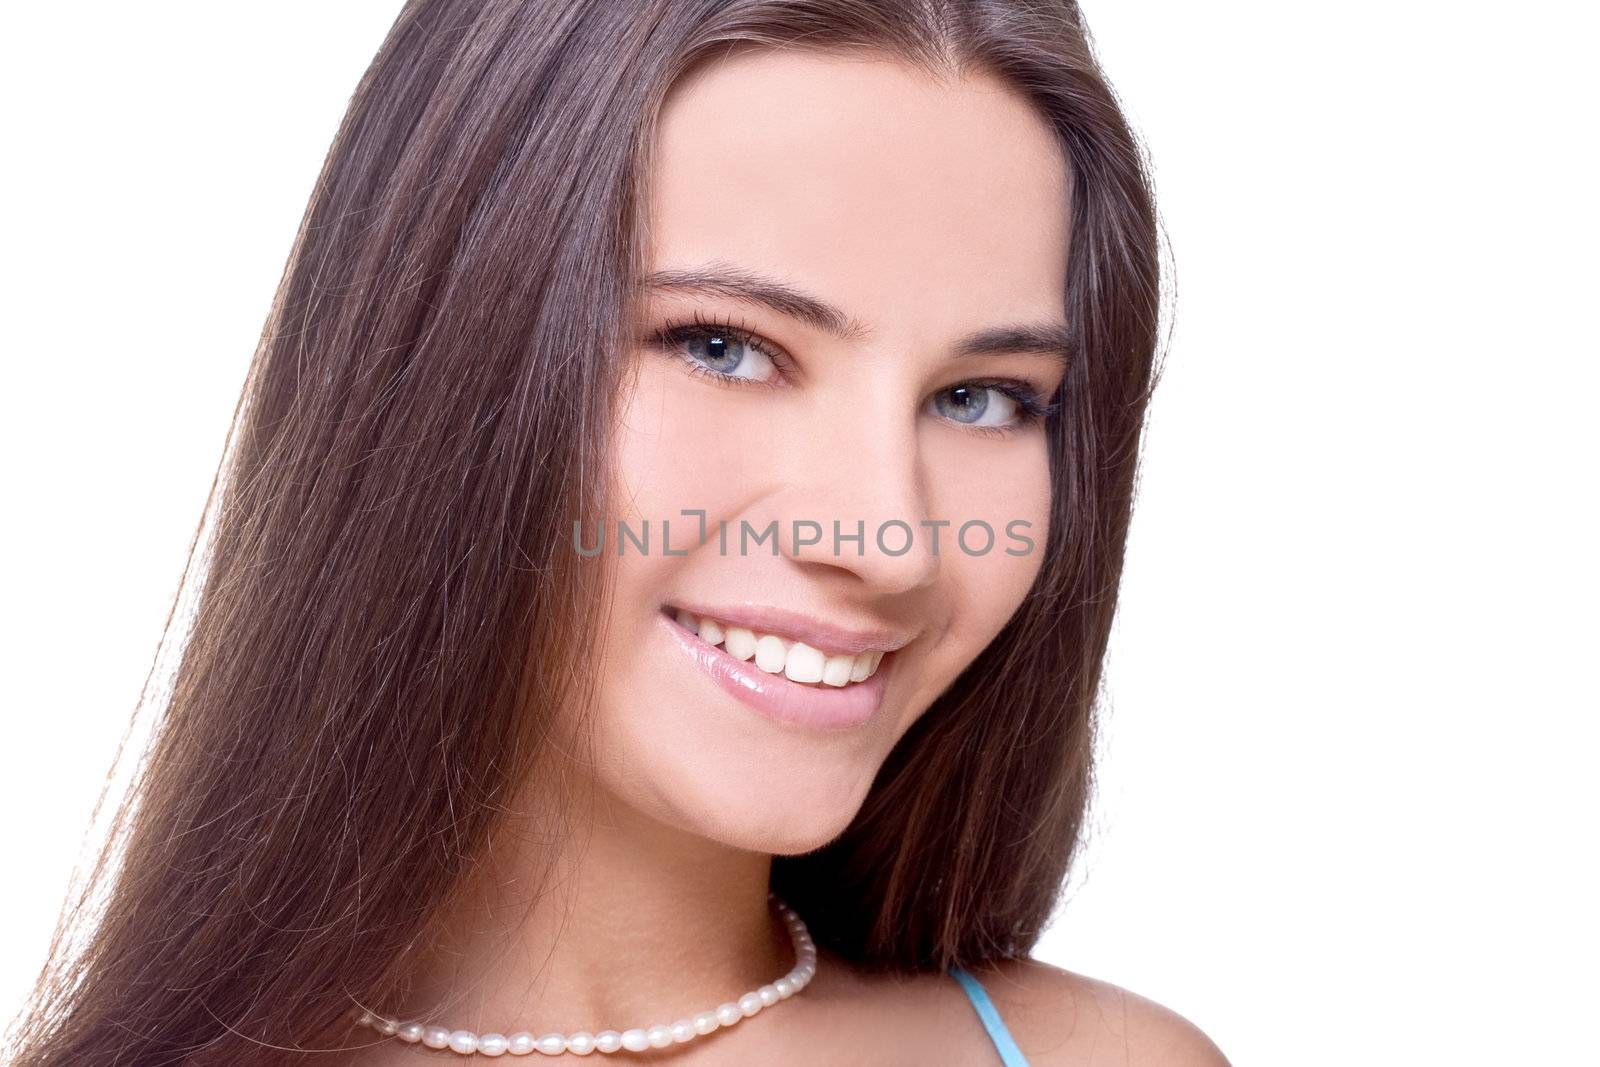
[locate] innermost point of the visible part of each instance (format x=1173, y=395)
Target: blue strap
x=1010, y=1054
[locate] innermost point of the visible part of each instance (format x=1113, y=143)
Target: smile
x=780, y=654
x=782, y=676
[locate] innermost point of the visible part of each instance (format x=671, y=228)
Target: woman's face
x=903, y=219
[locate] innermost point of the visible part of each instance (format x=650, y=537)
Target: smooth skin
x=924, y=212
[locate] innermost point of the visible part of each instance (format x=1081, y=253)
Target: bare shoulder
x=1063, y=1019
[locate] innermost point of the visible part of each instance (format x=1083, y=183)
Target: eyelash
x=1030, y=407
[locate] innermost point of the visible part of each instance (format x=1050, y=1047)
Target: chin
x=761, y=798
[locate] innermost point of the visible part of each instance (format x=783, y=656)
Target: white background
x=1347, y=808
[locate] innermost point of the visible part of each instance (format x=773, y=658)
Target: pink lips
x=816, y=707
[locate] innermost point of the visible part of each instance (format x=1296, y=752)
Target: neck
x=636, y=922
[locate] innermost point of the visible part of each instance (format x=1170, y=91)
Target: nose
x=865, y=473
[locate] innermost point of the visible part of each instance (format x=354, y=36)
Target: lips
x=784, y=654
x=832, y=633
x=774, y=695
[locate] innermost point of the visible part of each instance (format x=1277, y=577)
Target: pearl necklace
x=635, y=1040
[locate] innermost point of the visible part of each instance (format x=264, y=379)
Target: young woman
x=657, y=587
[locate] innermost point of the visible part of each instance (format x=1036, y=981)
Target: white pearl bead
x=635, y=1040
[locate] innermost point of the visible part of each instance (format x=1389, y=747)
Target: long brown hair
x=387, y=599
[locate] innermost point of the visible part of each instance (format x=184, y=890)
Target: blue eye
x=977, y=405
x=996, y=407
x=720, y=350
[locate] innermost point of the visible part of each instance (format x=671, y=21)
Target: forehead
x=914, y=204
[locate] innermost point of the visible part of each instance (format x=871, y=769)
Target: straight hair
x=387, y=611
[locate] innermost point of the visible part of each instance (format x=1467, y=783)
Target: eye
x=993, y=407
x=721, y=350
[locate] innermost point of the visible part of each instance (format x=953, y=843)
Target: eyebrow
x=1049, y=339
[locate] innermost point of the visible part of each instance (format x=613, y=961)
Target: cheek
x=659, y=465
x=985, y=580
x=674, y=448
x=679, y=445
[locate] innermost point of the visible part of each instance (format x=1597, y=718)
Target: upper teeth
x=795, y=660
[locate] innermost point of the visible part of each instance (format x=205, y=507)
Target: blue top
x=1010, y=1054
